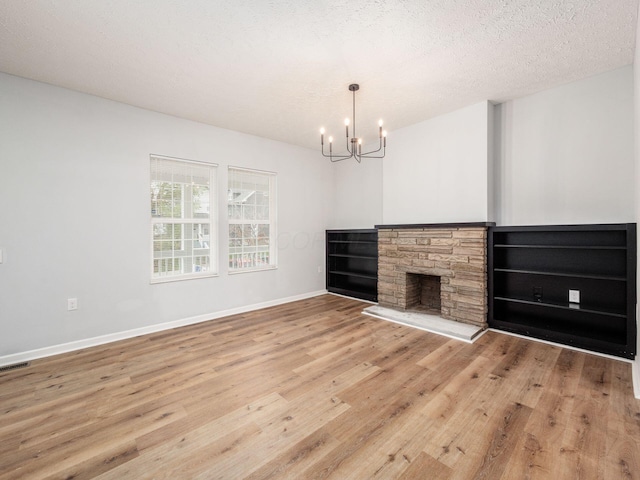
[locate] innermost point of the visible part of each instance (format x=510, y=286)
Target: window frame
x=212, y=222
x=272, y=221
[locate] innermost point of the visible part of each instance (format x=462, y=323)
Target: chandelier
x=354, y=144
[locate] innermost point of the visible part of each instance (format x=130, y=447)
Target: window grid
x=251, y=213
x=182, y=219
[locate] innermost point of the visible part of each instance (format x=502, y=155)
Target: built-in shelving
x=352, y=263
x=532, y=269
x=568, y=306
x=550, y=273
x=581, y=247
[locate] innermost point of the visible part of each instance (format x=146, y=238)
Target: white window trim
x=213, y=227
x=273, y=223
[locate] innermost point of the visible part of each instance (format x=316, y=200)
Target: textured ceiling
x=280, y=68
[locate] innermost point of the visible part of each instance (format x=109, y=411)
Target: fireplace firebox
x=423, y=293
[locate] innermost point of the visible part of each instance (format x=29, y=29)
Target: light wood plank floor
x=311, y=390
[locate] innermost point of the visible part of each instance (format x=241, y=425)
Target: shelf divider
x=568, y=306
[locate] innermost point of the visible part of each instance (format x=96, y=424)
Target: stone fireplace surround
x=454, y=252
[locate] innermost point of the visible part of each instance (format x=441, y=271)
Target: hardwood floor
x=311, y=390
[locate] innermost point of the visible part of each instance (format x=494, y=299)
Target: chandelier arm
x=373, y=151
x=341, y=157
x=331, y=156
x=368, y=154
x=384, y=152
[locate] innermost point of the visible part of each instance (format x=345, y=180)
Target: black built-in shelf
x=532, y=269
x=352, y=263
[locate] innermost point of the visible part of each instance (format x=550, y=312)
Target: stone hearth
x=454, y=254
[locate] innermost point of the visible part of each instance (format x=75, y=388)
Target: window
x=252, y=220
x=183, y=207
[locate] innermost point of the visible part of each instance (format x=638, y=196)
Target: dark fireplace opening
x=423, y=293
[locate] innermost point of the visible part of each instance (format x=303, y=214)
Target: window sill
x=252, y=270
x=154, y=281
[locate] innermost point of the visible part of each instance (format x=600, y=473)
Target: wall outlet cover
x=72, y=304
x=574, y=296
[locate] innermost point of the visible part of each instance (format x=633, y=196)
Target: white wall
x=74, y=216
x=357, y=200
x=565, y=155
x=437, y=170
x=74, y=197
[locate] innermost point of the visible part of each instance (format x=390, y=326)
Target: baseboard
x=114, y=337
x=352, y=298
x=635, y=364
x=562, y=345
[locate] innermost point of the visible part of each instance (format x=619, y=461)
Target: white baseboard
x=635, y=364
x=114, y=337
x=562, y=345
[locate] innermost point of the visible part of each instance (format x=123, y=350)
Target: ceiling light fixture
x=354, y=144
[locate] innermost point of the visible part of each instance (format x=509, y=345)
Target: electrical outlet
x=72, y=304
x=574, y=296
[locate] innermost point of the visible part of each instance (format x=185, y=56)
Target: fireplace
x=438, y=269
x=422, y=293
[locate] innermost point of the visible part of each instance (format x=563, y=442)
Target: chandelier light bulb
x=330, y=139
x=359, y=141
x=380, y=122
x=346, y=122
x=384, y=133
x=321, y=130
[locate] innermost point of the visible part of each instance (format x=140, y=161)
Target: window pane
x=235, y=231
x=166, y=199
x=262, y=213
x=235, y=212
x=201, y=263
x=201, y=205
x=248, y=231
x=251, y=198
x=200, y=235
x=248, y=212
x=262, y=198
x=183, y=193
